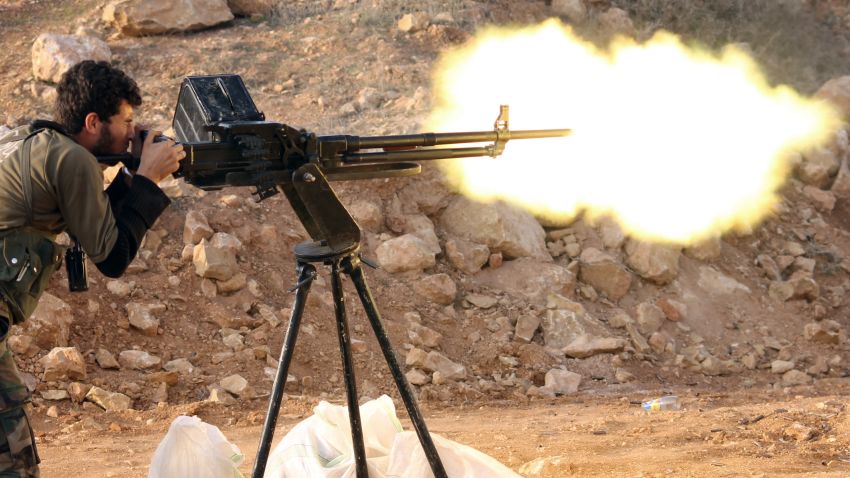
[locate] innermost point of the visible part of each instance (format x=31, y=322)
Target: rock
x=234, y=384
x=228, y=242
x=196, y=228
x=138, y=360
x=109, y=401
x=796, y=287
x=841, y=185
x=573, y=10
x=512, y=231
x=422, y=336
x=413, y=22
x=562, y=326
x=675, y=311
x=154, y=17
x=214, y=262
x=604, y=273
x=526, y=326
x=53, y=55
x=705, y=250
x=77, y=391
x=234, y=341
x=369, y=98
x=837, y=92
x=420, y=226
x=234, y=284
x=405, y=253
x=658, y=342
x=417, y=377
x=650, y=318
x=795, y=377
x=54, y=395
x=23, y=345
x=50, y=323
x=247, y=8
x=656, y=263
x=438, y=288
x=169, y=378
x=586, y=346
x=822, y=200
x=181, y=366
x=141, y=317
x=616, y=21
x=824, y=332
x=781, y=366
x=368, y=215
x=769, y=267
x=437, y=362
x=528, y=279
x=619, y=319
x=106, y=360
x=623, y=376
x=467, y=256
x=119, y=288
x=638, y=340
x=714, y=282
x=799, y=432
x=818, y=167
x=481, y=301
x=416, y=358
x=562, y=382
x=63, y=363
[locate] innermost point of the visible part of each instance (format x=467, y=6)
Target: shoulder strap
x=26, y=174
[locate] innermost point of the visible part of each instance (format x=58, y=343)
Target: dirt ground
x=303, y=65
x=738, y=433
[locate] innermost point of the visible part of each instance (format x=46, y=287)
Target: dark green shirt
x=67, y=191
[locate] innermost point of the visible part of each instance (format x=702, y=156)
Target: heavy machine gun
x=229, y=143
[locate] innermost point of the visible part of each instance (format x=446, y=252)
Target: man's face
x=116, y=132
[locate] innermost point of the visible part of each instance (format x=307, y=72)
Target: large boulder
x=50, y=323
x=503, y=228
x=405, y=253
x=529, y=279
x=151, y=17
x=565, y=321
x=53, y=55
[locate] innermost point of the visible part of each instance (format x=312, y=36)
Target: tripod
x=336, y=244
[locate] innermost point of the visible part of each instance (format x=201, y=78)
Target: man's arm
x=111, y=237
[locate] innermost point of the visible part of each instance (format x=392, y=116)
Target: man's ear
x=91, y=123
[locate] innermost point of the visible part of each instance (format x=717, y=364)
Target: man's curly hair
x=92, y=87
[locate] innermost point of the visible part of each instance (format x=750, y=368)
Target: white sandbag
x=321, y=447
x=195, y=449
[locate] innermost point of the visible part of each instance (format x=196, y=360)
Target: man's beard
x=104, y=143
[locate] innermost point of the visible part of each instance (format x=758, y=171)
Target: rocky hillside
x=482, y=301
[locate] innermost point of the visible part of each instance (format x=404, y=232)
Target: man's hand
x=159, y=159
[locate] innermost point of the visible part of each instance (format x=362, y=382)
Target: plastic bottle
x=669, y=402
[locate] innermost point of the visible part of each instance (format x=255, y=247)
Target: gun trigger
x=303, y=282
x=369, y=262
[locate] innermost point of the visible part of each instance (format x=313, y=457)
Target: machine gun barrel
x=439, y=139
x=345, y=149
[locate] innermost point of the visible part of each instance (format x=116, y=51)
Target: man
x=50, y=182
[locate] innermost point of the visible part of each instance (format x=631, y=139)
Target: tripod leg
x=353, y=269
x=306, y=273
x=348, y=373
